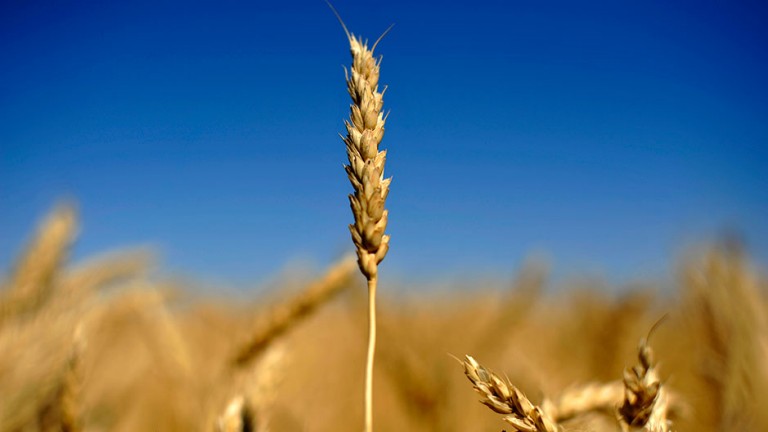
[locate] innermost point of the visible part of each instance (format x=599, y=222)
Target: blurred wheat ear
x=723, y=306
x=281, y=318
x=365, y=171
x=33, y=277
x=646, y=400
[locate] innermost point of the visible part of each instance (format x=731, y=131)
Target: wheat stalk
x=504, y=398
x=365, y=171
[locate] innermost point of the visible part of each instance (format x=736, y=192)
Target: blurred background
x=173, y=213
x=608, y=137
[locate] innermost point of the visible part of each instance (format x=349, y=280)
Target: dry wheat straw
x=365, y=171
x=504, y=398
x=283, y=317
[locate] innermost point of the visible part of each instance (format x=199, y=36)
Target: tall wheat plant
x=365, y=129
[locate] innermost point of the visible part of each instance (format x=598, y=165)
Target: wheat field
x=111, y=344
x=107, y=345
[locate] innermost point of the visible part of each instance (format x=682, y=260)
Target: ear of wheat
x=645, y=399
x=504, y=398
x=365, y=171
x=640, y=401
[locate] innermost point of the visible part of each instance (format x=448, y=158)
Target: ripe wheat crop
x=105, y=345
x=109, y=344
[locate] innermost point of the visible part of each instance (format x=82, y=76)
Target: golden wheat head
x=365, y=129
x=504, y=398
x=645, y=399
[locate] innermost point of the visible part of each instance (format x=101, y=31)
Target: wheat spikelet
x=504, y=398
x=281, y=318
x=645, y=399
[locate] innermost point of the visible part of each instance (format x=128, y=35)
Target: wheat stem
x=365, y=129
x=371, y=351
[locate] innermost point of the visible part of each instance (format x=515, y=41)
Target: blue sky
x=610, y=135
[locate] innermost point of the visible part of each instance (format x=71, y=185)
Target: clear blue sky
x=611, y=135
